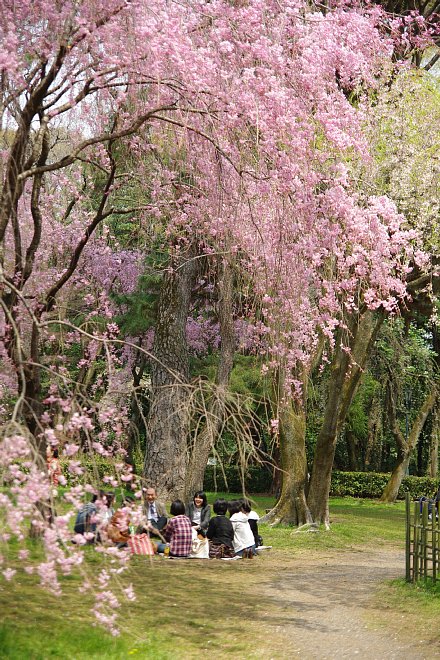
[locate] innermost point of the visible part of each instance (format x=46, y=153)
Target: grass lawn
x=184, y=609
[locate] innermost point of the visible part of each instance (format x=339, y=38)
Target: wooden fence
x=422, y=542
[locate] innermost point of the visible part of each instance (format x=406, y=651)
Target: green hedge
x=369, y=485
x=372, y=484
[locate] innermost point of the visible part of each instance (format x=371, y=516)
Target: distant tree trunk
x=291, y=507
x=169, y=415
x=275, y=488
x=374, y=430
x=346, y=370
x=433, y=447
x=216, y=410
x=405, y=447
x=352, y=450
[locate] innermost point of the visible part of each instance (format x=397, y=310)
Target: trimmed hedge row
x=372, y=484
x=369, y=485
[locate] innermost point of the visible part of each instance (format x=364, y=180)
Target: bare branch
x=103, y=137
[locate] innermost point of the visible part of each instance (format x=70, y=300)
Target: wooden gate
x=422, y=542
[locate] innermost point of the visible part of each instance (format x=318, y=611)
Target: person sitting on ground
x=54, y=467
x=85, y=518
x=178, y=532
x=118, y=529
x=220, y=532
x=108, y=510
x=199, y=511
x=94, y=516
x=253, y=519
x=244, y=544
x=155, y=512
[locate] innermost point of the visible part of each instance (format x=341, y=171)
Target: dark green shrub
x=257, y=479
x=372, y=484
x=95, y=468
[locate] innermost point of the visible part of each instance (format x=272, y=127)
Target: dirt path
x=328, y=612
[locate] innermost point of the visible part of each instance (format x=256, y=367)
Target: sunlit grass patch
x=184, y=609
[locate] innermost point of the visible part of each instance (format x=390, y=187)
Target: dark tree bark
x=137, y=400
x=374, y=431
x=291, y=507
x=215, y=413
x=168, y=425
x=352, y=450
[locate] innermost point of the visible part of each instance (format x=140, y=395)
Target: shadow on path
x=326, y=609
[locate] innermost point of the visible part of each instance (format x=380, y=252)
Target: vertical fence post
x=408, y=538
x=416, y=541
x=437, y=543
x=424, y=540
x=434, y=550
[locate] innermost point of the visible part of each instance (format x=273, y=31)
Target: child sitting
x=220, y=533
x=244, y=543
x=253, y=519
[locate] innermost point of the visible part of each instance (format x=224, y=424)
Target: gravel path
x=328, y=612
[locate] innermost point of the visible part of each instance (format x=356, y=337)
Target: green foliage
x=247, y=403
x=257, y=479
x=405, y=143
x=372, y=484
x=139, y=307
x=367, y=485
x=246, y=378
x=95, y=468
x=357, y=418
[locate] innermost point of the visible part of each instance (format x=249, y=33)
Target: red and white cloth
x=140, y=544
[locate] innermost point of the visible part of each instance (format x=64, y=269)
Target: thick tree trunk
x=291, y=507
x=29, y=386
x=169, y=416
x=406, y=447
x=389, y=495
x=216, y=410
x=346, y=370
x=137, y=417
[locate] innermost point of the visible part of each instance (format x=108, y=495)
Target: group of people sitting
x=190, y=532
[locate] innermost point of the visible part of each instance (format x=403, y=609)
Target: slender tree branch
x=103, y=137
